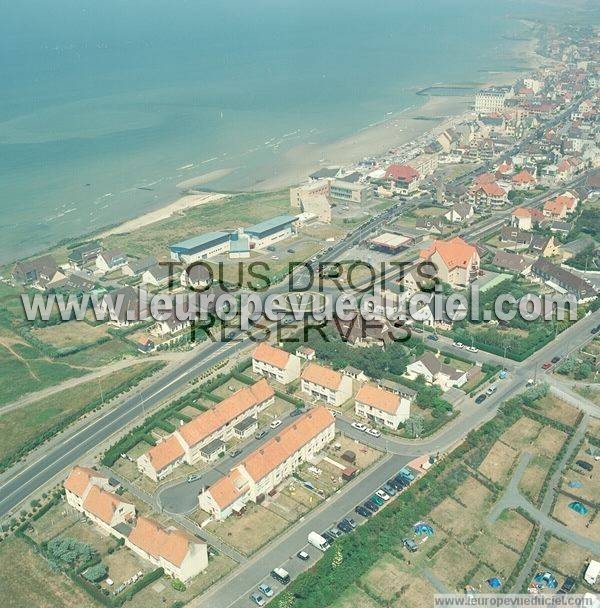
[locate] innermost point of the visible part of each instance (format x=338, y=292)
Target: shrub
x=178, y=585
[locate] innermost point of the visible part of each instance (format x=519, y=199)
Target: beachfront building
x=201, y=247
x=456, y=262
x=271, y=231
x=491, y=100
x=381, y=406
x=424, y=164
x=263, y=470
x=107, y=261
x=299, y=195
x=181, y=555
x=275, y=363
x=204, y=437
x=404, y=178
x=350, y=190
x=323, y=383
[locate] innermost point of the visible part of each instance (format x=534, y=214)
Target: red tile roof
x=102, y=504
x=322, y=376
x=171, y=545
x=269, y=354
x=378, y=398
x=403, y=173
x=224, y=412
x=79, y=479
x=165, y=453
x=456, y=253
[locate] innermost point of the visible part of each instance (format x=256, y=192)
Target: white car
x=373, y=432
x=359, y=426
x=458, y=344
x=472, y=349
x=275, y=423
x=383, y=495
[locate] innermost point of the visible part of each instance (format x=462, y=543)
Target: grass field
x=20, y=425
x=72, y=333
x=234, y=212
x=26, y=580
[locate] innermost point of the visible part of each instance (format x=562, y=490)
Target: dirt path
x=21, y=359
x=72, y=382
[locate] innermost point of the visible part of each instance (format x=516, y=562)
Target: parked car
x=433, y=337
x=458, y=344
x=373, y=432
x=265, y=589
x=194, y=477
x=555, y=359
x=377, y=500
x=297, y=412
x=335, y=532
x=388, y=489
x=235, y=452
x=472, y=349
x=596, y=329
x=402, y=481
x=481, y=398
x=275, y=423
x=345, y=527
x=359, y=426
x=303, y=555
x=383, y=494
x=411, y=545
x=547, y=365
x=350, y=522
x=371, y=506
x=363, y=511
x=260, y=434
x=491, y=390
x=584, y=465
x=258, y=599
x=328, y=537
x=568, y=585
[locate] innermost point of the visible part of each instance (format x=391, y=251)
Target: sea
x=107, y=106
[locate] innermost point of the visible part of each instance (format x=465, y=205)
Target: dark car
x=396, y=485
x=297, y=412
x=481, y=398
x=345, y=527
x=584, y=465
x=402, y=481
x=568, y=585
x=596, y=329
x=360, y=510
x=555, y=360
x=432, y=337
x=330, y=538
x=303, y=555
x=260, y=434
x=371, y=506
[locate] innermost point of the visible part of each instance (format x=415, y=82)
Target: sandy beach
x=181, y=204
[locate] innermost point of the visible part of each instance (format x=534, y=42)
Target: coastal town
x=161, y=462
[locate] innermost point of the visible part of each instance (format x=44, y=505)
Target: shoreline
x=431, y=114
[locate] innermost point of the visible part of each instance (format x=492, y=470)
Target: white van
x=316, y=540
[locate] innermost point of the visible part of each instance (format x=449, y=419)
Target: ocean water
x=100, y=99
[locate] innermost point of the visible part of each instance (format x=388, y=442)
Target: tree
x=178, y=585
x=96, y=573
x=414, y=425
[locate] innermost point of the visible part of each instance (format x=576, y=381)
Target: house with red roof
x=326, y=384
x=488, y=194
x=525, y=218
x=404, y=178
x=275, y=363
x=383, y=407
x=558, y=208
x=180, y=554
x=203, y=438
x=523, y=180
x=456, y=262
x=265, y=468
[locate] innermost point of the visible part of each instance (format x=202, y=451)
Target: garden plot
x=354, y=597
x=513, y=529
x=499, y=462
x=556, y=409
x=565, y=558
x=122, y=564
x=452, y=563
x=228, y=388
x=522, y=433
x=580, y=483
x=533, y=478
x=365, y=455
x=453, y=518
x=248, y=531
x=292, y=502
x=473, y=494
x=585, y=525
x=70, y=334
x=492, y=552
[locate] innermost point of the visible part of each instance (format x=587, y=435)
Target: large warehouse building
x=201, y=247
x=271, y=231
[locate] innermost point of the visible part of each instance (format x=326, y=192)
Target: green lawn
x=21, y=425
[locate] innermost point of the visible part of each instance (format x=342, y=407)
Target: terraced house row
x=204, y=437
x=265, y=468
x=181, y=555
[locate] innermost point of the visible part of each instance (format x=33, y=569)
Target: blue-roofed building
x=201, y=247
x=239, y=246
x=271, y=231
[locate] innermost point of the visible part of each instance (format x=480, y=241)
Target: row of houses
x=181, y=555
x=203, y=438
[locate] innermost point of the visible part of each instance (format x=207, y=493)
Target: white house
x=435, y=371
x=275, y=363
x=107, y=261
x=268, y=466
x=323, y=383
x=382, y=406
